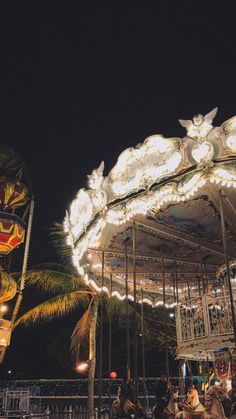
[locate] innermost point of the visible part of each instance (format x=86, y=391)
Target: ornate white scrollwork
x=151, y=175
x=97, y=194
x=85, y=206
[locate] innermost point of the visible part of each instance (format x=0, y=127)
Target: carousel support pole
x=127, y=311
x=225, y=244
x=208, y=373
x=204, y=376
x=135, y=322
x=189, y=296
x=199, y=284
x=164, y=314
x=143, y=351
x=201, y=270
x=109, y=349
x=101, y=342
x=206, y=275
x=174, y=287
x=181, y=377
x=176, y=281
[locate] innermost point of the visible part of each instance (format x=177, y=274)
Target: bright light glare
x=82, y=367
x=3, y=308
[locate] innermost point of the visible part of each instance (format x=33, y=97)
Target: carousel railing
x=205, y=316
x=219, y=316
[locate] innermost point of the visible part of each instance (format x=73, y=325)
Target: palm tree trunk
x=92, y=357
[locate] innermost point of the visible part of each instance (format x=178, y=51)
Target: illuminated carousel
x=162, y=226
x=16, y=211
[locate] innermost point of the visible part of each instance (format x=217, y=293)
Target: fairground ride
x=16, y=213
x=162, y=226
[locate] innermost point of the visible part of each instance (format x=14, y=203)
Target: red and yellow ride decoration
x=8, y=289
x=12, y=233
x=13, y=193
x=5, y=333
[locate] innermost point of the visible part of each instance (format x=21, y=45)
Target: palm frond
x=53, y=266
x=58, y=239
x=117, y=308
x=55, y=307
x=81, y=331
x=54, y=281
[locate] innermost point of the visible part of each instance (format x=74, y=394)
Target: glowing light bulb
x=82, y=367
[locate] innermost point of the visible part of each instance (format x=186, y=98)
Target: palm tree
x=70, y=293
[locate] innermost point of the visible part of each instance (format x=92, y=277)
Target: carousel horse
x=172, y=408
x=192, y=408
x=215, y=397
x=128, y=410
x=117, y=410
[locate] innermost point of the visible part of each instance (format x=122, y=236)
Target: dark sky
x=82, y=81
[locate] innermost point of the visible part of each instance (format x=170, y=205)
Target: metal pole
x=224, y=236
x=201, y=270
x=127, y=312
x=199, y=284
x=101, y=342
x=206, y=275
x=109, y=349
x=135, y=322
x=164, y=313
x=143, y=350
x=174, y=287
x=188, y=291
x=176, y=281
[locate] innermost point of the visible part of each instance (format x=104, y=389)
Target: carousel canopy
x=169, y=190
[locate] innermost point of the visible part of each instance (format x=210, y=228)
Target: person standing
x=162, y=396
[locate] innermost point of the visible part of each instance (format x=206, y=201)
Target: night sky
x=82, y=81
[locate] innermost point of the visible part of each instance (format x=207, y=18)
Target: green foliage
x=58, y=306
x=81, y=331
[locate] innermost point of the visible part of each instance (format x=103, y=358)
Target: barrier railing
x=204, y=316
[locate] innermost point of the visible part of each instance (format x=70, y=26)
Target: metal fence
x=23, y=405
x=62, y=399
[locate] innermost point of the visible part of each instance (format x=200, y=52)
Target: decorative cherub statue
x=200, y=126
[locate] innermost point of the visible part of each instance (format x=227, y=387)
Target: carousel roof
x=169, y=189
